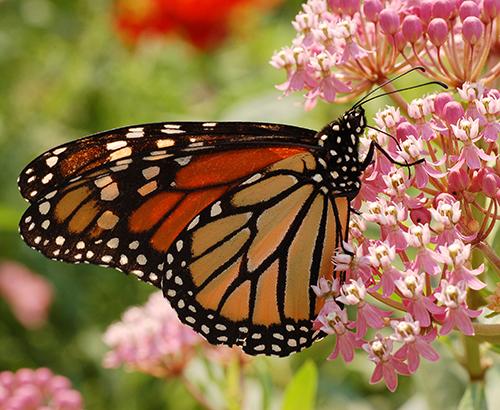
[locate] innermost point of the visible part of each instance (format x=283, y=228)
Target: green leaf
x=473, y=398
x=300, y=394
x=8, y=218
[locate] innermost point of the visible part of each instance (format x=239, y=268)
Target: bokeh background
x=72, y=68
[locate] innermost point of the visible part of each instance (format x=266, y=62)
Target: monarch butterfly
x=233, y=221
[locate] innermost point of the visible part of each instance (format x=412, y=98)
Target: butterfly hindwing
x=241, y=272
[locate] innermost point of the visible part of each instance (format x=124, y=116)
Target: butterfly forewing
x=75, y=159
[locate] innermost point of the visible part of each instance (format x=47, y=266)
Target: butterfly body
x=233, y=221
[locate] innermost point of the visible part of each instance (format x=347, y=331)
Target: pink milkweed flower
x=446, y=216
x=456, y=255
x=326, y=34
x=328, y=85
x=345, y=30
x=388, y=118
x=426, y=260
x=333, y=320
x=397, y=184
x=381, y=258
x=357, y=227
x=28, y=294
x=296, y=62
x=355, y=264
x=326, y=288
x=418, y=109
x=392, y=232
x=467, y=130
x=458, y=182
x=371, y=186
x=151, y=339
x=382, y=165
x=387, y=366
x=39, y=389
x=412, y=149
x=415, y=344
x=354, y=293
x=489, y=108
x=471, y=91
x=304, y=24
x=411, y=285
x=457, y=314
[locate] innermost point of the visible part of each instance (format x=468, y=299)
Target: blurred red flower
x=28, y=294
x=204, y=23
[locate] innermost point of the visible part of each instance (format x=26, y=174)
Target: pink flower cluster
x=37, y=389
x=420, y=262
x=343, y=46
x=408, y=283
x=151, y=339
x=28, y=294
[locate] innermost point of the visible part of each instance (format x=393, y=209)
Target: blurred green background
x=64, y=73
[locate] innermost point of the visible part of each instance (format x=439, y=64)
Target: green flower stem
x=396, y=97
x=472, y=359
x=388, y=302
x=490, y=254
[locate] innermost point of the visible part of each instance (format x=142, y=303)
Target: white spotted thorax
x=340, y=139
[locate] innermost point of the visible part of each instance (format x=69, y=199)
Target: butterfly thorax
x=340, y=140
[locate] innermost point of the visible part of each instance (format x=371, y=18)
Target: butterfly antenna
x=388, y=156
x=385, y=133
x=419, y=68
x=405, y=89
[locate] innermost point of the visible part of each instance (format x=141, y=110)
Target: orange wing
x=234, y=221
x=241, y=271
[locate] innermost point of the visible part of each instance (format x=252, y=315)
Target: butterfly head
x=340, y=140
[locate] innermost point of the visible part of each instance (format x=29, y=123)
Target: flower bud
x=438, y=31
x=372, y=9
x=440, y=101
x=490, y=185
x=491, y=9
x=472, y=30
x=404, y=129
x=425, y=12
x=477, y=180
x=468, y=8
x=399, y=41
x=444, y=9
x=420, y=216
x=412, y=28
x=452, y=112
x=389, y=21
x=458, y=180
x=348, y=7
